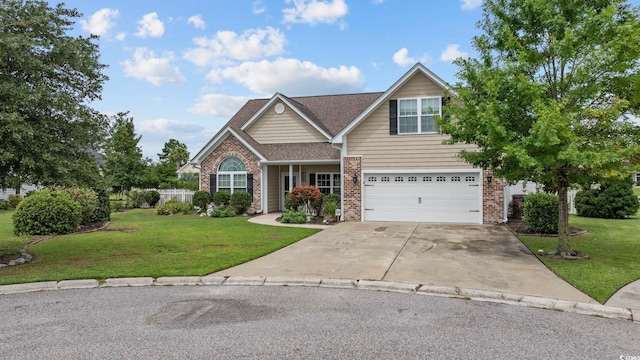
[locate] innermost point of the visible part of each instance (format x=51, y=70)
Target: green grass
x=614, y=250
x=140, y=243
x=636, y=191
x=10, y=244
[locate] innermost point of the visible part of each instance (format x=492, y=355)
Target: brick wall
x=492, y=199
x=232, y=147
x=352, y=192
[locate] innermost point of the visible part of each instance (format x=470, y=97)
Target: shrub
x=152, y=197
x=331, y=197
x=294, y=216
x=172, y=207
x=614, y=200
x=14, y=200
x=541, y=213
x=86, y=198
x=4, y=204
x=304, y=195
x=116, y=205
x=220, y=211
x=103, y=210
x=221, y=198
x=137, y=198
x=329, y=210
x=241, y=200
x=201, y=199
x=47, y=213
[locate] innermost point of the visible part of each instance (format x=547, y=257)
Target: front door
x=285, y=186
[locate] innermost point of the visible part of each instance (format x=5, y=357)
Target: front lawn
x=140, y=243
x=614, y=250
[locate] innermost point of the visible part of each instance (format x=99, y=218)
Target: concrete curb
x=604, y=311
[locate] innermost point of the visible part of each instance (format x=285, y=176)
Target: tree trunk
x=563, y=214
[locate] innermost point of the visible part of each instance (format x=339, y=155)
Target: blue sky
x=183, y=68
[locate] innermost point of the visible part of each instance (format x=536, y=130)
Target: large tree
x=47, y=79
x=548, y=98
x=123, y=165
x=174, y=152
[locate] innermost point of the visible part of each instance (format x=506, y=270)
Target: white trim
x=217, y=140
x=274, y=98
x=339, y=138
x=421, y=171
x=419, y=114
x=264, y=194
x=299, y=162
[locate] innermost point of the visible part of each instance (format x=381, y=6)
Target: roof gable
x=417, y=68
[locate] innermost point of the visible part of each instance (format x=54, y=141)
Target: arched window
x=232, y=175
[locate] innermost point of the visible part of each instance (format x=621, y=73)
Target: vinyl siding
x=273, y=189
x=381, y=151
x=288, y=127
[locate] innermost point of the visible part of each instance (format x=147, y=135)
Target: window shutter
x=250, y=185
x=445, y=115
x=312, y=179
x=212, y=185
x=393, y=117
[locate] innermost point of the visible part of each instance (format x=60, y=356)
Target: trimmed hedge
x=201, y=199
x=241, y=200
x=87, y=199
x=152, y=197
x=103, y=210
x=541, y=213
x=221, y=197
x=47, y=213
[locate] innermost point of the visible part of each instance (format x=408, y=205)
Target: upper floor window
x=416, y=116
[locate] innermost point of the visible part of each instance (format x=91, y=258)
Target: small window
x=372, y=178
x=441, y=179
x=412, y=179
x=455, y=178
x=328, y=183
x=384, y=178
x=427, y=179
x=417, y=115
x=399, y=178
x=470, y=179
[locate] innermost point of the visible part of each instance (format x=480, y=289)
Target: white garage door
x=427, y=197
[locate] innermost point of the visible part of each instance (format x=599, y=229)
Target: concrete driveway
x=483, y=257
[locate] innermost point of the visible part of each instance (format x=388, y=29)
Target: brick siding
x=492, y=199
x=232, y=147
x=352, y=192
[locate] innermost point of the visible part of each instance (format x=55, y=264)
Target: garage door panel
x=427, y=197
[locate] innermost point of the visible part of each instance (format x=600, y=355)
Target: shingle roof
x=330, y=113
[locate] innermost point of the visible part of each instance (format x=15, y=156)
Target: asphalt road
x=275, y=322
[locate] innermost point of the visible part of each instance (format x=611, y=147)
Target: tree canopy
x=548, y=98
x=174, y=152
x=47, y=79
x=123, y=166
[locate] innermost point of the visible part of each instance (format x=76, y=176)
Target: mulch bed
x=519, y=227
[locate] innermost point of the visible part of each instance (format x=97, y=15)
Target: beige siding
x=288, y=127
x=381, y=151
x=273, y=189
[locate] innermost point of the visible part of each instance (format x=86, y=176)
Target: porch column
x=264, y=193
x=290, y=177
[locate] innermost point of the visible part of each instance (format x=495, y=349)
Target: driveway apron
x=484, y=257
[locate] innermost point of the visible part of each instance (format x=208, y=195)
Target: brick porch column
x=492, y=199
x=352, y=196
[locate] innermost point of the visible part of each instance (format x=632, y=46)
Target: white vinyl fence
x=181, y=195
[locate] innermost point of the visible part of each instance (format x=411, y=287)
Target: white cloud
x=197, y=22
x=100, y=22
x=315, y=11
x=259, y=7
x=470, y=4
x=150, y=26
x=167, y=126
x=218, y=105
x=121, y=36
x=376, y=2
x=156, y=70
x=293, y=77
x=402, y=58
x=155, y=132
x=251, y=44
x=453, y=52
